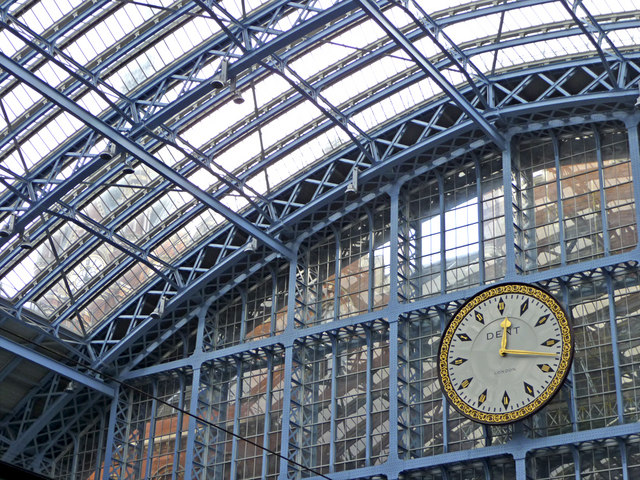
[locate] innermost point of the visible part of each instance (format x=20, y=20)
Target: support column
x=393, y=327
x=109, y=468
x=509, y=231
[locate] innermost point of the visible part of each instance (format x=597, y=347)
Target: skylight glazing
x=280, y=128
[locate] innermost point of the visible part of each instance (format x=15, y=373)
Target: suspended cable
x=150, y=396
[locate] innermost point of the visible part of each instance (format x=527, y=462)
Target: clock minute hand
x=503, y=343
x=528, y=352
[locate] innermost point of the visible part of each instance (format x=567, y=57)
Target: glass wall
x=331, y=360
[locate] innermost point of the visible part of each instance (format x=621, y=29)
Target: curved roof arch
x=141, y=177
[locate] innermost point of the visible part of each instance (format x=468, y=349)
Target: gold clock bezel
x=547, y=394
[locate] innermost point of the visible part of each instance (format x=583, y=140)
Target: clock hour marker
x=528, y=388
x=466, y=382
x=505, y=400
x=541, y=321
x=497, y=341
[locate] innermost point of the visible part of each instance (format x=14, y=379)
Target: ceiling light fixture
x=128, y=167
x=235, y=95
x=353, y=183
x=108, y=153
x=159, y=310
x=25, y=241
x=220, y=79
x=7, y=230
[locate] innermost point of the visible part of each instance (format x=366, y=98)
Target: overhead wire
x=150, y=396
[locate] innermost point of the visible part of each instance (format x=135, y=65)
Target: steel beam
x=399, y=38
x=138, y=152
x=55, y=366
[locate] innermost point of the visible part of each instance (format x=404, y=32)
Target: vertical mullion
x=481, y=266
x=111, y=428
x=236, y=419
x=556, y=159
x=623, y=459
x=573, y=406
x=243, y=315
x=614, y=349
x=100, y=451
x=195, y=392
x=443, y=246
x=445, y=402
x=336, y=279
x=152, y=428
x=274, y=301
x=334, y=381
x=510, y=242
x=393, y=326
x=287, y=447
x=178, y=431
x=603, y=195
x=267, y=414
x=74, y=462
x=370, y=271
x=634, y=157
x=369, y=405
x=191, y=428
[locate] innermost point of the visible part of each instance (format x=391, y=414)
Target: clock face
x=505, y=353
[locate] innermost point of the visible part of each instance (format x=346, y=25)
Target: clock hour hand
x=503, y=344
x=527, y=352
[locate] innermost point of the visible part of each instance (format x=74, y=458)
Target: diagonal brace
x=401, y=40
x=57, y=367
x=141, y=154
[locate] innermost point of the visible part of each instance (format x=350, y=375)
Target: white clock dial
x=505, y=353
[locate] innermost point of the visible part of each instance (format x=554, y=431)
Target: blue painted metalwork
x=435, y=74
x=135, y=150
x=327, y=190
x=71, y=373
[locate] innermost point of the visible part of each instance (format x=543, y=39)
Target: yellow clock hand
x=527, y=352
x=503, y=344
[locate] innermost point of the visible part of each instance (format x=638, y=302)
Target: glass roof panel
x=108, y=29
x=598, y=7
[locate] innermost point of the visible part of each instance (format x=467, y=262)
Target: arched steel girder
x=91, y=167
x=327, y=80
x=372, y=99
x=158, y=118
x=444, y=23
x=55, y=366
x=409, y=152
x=412, y=151
x=138, y=152
x=389, y=163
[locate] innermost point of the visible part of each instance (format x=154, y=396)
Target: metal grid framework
x=136, y=246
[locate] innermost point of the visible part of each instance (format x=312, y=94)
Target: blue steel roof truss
x=326, y=190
